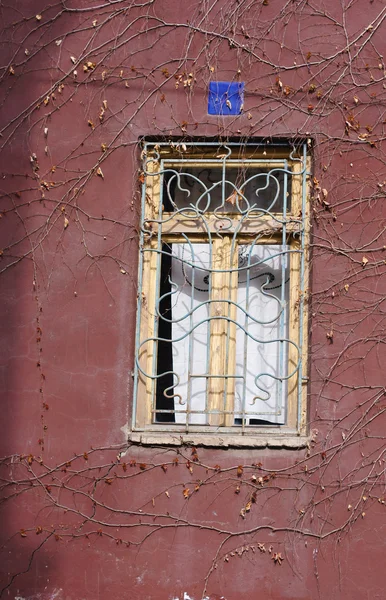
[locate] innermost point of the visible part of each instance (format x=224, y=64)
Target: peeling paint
x=125, y=430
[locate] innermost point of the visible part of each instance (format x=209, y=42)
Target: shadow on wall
x=25, y=562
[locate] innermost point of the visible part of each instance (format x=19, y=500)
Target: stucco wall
x=86, y=516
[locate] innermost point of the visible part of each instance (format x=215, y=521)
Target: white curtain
x=262, y=398
x=187, y=314
x=262, y=301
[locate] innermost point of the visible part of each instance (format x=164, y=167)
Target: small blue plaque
x=225, y=98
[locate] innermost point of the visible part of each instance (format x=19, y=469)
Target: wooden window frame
x=221, y=431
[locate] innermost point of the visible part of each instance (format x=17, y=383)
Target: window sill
x=287, y=440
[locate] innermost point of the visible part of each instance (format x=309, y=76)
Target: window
x=221, y=329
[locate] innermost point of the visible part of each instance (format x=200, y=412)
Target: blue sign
x=225, y=98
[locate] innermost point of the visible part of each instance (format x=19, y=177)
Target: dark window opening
x=265, y=189
x=164, y=388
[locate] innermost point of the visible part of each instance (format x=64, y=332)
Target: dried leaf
x=232, y=199
x=99, y=172
x=23, y=533
x=39, y=529
x=277, y=558
x=240, y=470
x=123, y=273
x=66, y=222
x=73, y=59
x=58, y=42
x=364, y=261
x=11, y=70
x=104, y=103
x=229, y=104
x=38, y=17
x=186, y=492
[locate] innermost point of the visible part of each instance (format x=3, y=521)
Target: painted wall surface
x=85, y=515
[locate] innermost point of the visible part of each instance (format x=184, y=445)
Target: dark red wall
x=86, y=516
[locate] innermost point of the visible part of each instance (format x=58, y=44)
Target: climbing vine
x=82, y=83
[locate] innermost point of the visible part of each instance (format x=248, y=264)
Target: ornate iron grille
x=220, y=329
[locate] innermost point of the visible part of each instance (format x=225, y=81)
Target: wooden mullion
x=230, y=365
x=147, y=358
x=294, y=301
x=218, y=332
x=307, y=234
x=228, y=223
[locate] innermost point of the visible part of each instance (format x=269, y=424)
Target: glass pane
x=261, y=334
x=240, y=190
x=261, y=347
x=183, y=334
